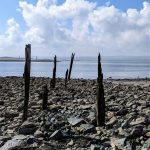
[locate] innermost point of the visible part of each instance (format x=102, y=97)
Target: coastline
x=70, y=120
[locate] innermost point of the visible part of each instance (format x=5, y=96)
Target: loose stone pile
x=70, y=121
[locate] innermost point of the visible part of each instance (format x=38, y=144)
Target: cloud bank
x=78, y=26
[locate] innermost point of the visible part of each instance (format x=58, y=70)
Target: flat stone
x=125, y=124
x=55, y=107
x=11, y=114
x=122, y=112
x=84, y=106
x=16, y=142
x=57, y=135
x=70, y=143
x=27, y=128
x=140, y=120
x=111, y=122
x=136, y=132
x=147, y=134
x=110, y=114
x=1, y=102
x=86, y=128
x=20, y=137
x=75, y=121
x=38, y=133
x=146, y=145
x=5, y=138
x=123, y=132
x=95, y=147
x=28, y=124
x=2, y=119
x=119, y=143
x=20, y=107
x=92, y=117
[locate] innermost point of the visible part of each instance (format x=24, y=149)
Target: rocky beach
x=69, y=123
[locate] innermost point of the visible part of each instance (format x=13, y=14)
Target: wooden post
x=53, y=81
x=66, y=78
x=100, y=96
x=27, y=79
x=71, y=64
x=45, y=97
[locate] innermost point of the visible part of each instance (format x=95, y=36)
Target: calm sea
x=84, y=67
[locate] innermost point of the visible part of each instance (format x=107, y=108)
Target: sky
x=85, y=27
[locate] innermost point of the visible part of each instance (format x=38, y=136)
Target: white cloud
x=80, y=26
x=12, y=39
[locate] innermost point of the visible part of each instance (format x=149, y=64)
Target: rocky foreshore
x=70, y=121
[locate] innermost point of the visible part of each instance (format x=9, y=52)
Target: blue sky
x=8, y=9
x=120, y=27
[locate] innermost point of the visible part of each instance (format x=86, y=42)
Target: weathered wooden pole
x=71, y=64
x=100, y=96
x=53, y=81
x=66, y=78
x=45, y=97
x=27, y=79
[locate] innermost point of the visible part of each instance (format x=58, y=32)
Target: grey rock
x=70, y=143
x=86, y=128
x=119, y=143
x=1, y=102
x=147, y=144
x=2, y=119
x=38, y=133
x=5, y=138
x=125, y=124
x=20, y=107
x=27, y=128
x=16, y=142
x=123, y=132
x=96, y=147
x=136, y=132
x=75, y=121
x=140, y=120
x=111, y=122
x=11, y=114
x=57, y=135
x=92, y=117
x=122, y=112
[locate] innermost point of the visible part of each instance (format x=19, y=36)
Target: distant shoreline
x=23, y=60
x=105, y=79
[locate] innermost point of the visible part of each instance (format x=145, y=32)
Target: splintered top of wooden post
x=100, y=74
x=99, y=57
x=28, y=52
x=55, y=58
x=73, y=54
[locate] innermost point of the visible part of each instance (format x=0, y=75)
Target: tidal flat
x=69, y=123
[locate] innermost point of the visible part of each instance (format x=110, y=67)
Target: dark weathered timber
x=71, y=64
x=100, y=96
x=45, y=97
x=66, y=78
x=27, y=79
x=53, y=81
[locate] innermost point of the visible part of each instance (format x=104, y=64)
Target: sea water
x=84, y=67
